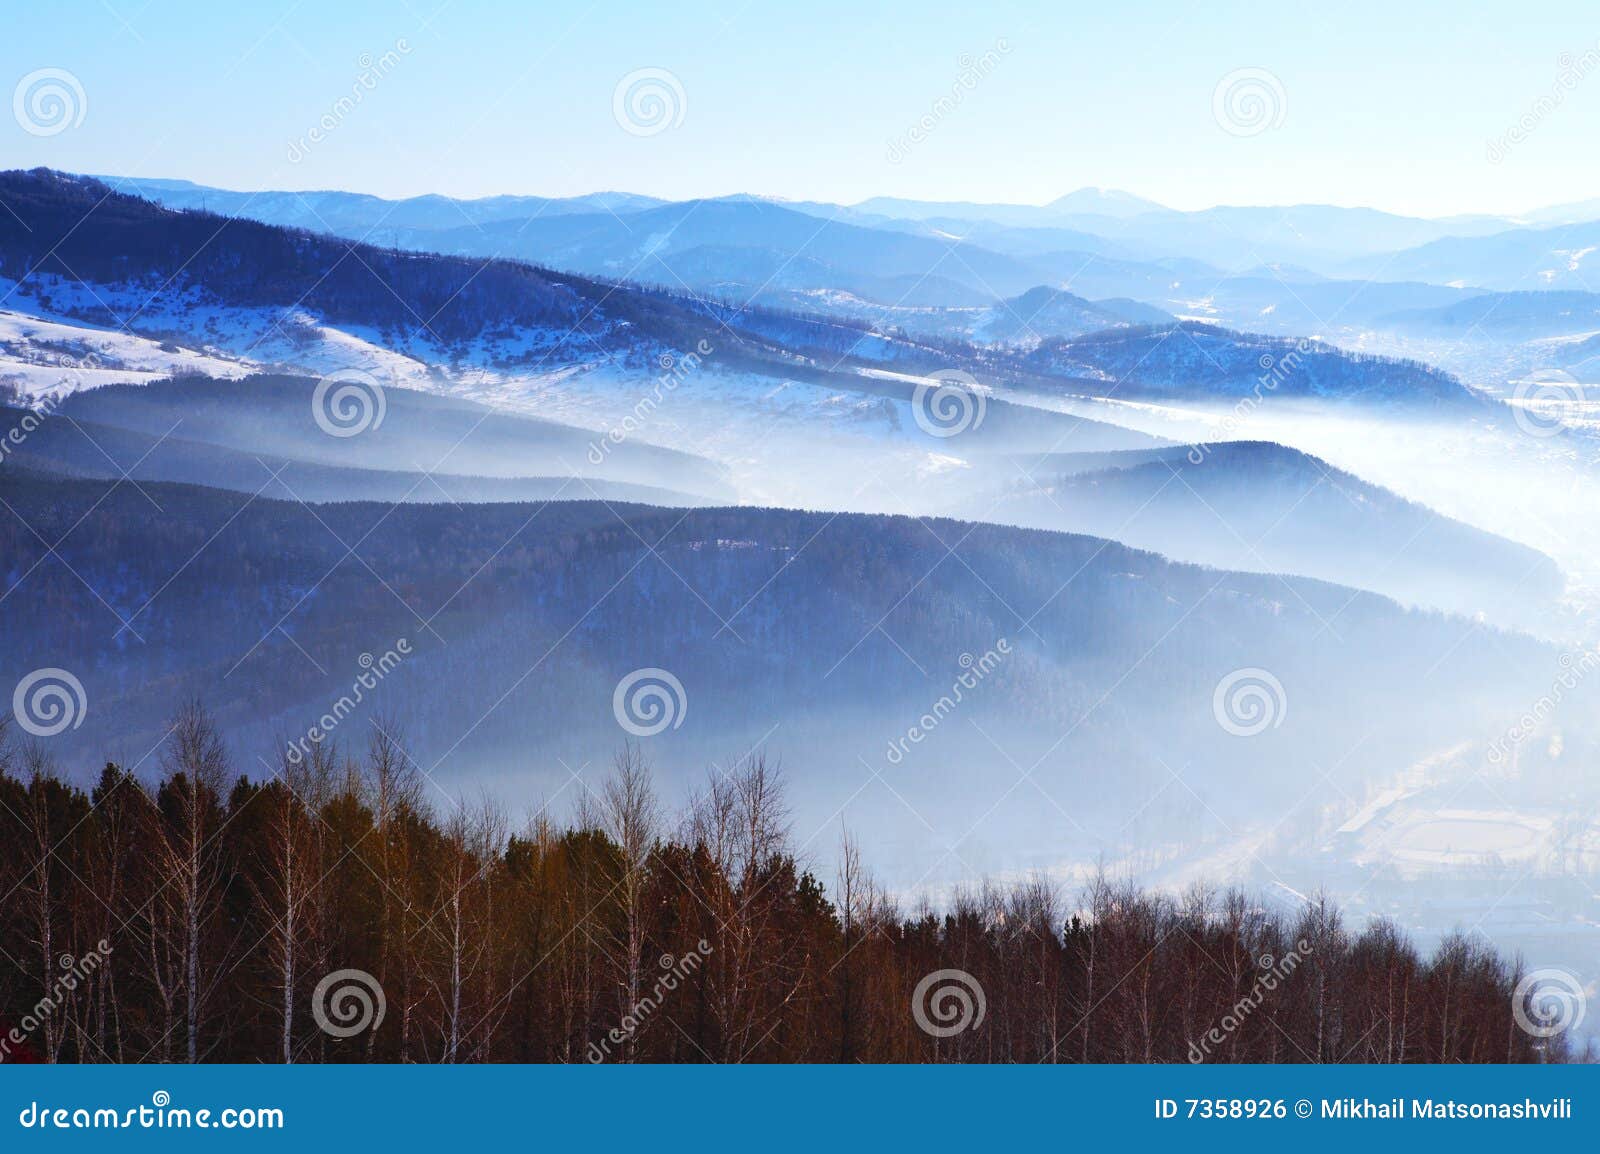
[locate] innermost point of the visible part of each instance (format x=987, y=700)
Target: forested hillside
x=1199, y=361
x=833, y=631
x=334, y=910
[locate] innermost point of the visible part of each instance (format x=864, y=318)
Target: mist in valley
x=1191, y=605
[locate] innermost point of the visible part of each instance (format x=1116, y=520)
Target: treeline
x=334, y=911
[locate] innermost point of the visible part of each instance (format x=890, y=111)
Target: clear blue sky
x=1389, y=104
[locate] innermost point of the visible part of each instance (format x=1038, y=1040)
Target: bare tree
x=853, y=892
x=395, y=795
x=473, y=840
x=287, y=885
x=192, y=863
x=742, y=822
x=39, y=882
x=632, y=815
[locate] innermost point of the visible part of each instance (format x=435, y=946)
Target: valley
x=815, y=463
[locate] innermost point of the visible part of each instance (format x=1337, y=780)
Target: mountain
x=1203, y=362
x=1319, y=236
x=742, y=246
x=826, y=631
x=773, y=252
x=1229, y=237
x=1261, y=507
x=772, y=394
x=77, y=231
x=736, y=247
x=1517, y=315
x=502, y=631
x=1573, y=213
x=1287, y=302
x=1581, y=358
x=43, y=355
x=1023, y=320
x=1011, y=240
x=792, y=404
x=1043, y=312
x=362, y=217
x=819, y=257
x=1110, y=202
x=268, y=435
x=82, y=449
x=1518, y=259
x=787, y=407
x=284, y=416
x=1488, y=251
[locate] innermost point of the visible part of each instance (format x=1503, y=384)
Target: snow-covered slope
x=42, y=355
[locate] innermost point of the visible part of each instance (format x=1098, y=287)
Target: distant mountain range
x=1518, y=314
x=1561, y=257
x=1100, y=202
x=1296, y=268
x=1102, y=221
x=1265, y=508
x=186, y=270
x=78, y=231
x=345, y=213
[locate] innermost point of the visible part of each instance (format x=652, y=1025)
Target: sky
x=1405, y=107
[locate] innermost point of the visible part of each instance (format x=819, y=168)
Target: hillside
x=1198, y=361
x=279, y=416
x=1506, y=260
x=823, y=636
x=1261, y=507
